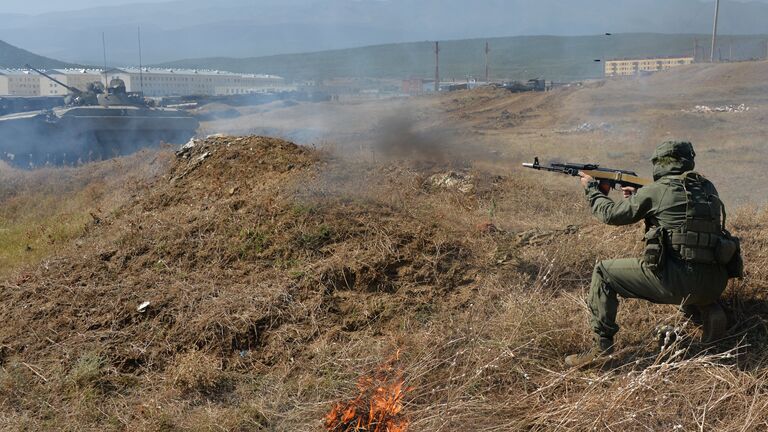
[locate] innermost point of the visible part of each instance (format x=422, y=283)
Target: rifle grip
x=604, y=187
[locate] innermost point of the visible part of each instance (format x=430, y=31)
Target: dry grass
x=43, y=210
x=278, y=276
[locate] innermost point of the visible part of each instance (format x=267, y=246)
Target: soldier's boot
x=714, y=322
x=692, y=313
x=600, y=352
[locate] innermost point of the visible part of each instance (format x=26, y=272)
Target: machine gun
x=609, y=178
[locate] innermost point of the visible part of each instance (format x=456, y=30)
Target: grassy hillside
x=42, y=210
x=551, y=57
x=253, y=283
x=13, y=57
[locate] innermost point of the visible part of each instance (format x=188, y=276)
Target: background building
x=153, y=82
x=19, y=83
x=417, y=86
x=78, y=78
x=624, y=67
x=185, y=82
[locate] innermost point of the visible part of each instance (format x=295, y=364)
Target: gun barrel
x=74, y=90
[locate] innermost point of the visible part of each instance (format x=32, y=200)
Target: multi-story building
x=182, y=82
x=19, y=83
x=77, y=78
x=625, y=67
x=152, y=82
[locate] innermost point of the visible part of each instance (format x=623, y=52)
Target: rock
x=704, y=109
x=453, y=180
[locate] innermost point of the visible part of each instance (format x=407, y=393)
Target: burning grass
x=277, y=276
x=378, y=406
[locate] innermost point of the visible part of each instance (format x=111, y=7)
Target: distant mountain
x=12, y=57
x=551, y=57
x=255, y=28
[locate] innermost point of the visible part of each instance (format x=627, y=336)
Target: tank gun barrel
x=74, y=90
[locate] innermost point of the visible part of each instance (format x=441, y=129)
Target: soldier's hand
x=628, y=191
x=585, y=179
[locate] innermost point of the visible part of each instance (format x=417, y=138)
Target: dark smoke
x=399, y=138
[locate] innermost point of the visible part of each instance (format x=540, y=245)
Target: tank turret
x=95, y=124
x=117, y=94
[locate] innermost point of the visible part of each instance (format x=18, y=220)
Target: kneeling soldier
x=684, y=262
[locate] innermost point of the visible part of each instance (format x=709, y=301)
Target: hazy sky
x=42, y=6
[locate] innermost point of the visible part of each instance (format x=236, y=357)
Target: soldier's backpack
x=703, y=238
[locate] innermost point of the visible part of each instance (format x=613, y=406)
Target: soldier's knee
x=598, y=274
x=600, y=286
x=600, y=267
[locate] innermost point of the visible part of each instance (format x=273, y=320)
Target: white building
x=15, y=82
x=184, y=82
x=153, y=82
x=77, y=78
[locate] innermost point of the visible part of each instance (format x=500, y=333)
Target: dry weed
x=277, y=275
x=195, y=371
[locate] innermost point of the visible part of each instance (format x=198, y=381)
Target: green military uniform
x=665, y=204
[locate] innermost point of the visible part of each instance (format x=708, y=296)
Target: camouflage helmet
x=673, y=157
x=680, y=150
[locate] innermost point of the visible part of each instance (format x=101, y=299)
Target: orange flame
x=378, y=406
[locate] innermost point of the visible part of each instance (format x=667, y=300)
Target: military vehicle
x=95, y=124
x=520, y=87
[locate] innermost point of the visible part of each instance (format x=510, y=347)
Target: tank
x=95, y=124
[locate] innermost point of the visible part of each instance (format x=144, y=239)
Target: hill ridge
x=12, y=57
x=558, y=58
x=238, y=28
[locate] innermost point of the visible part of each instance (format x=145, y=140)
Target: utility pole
x=437, y=67
x=141, y=71
x=104, y=49
x=714, y=31
x=695, y=48
x=487, y=53
x=730, y=50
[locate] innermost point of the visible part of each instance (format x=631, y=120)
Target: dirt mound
x=231, y=255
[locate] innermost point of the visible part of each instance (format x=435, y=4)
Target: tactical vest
x=698, y=238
